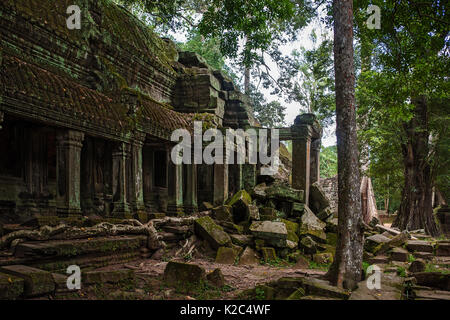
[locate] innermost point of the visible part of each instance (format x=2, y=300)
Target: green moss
x=292, y=229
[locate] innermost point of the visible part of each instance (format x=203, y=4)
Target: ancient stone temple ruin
x=87, y=116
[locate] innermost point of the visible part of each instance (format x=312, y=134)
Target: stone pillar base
x=121, y=210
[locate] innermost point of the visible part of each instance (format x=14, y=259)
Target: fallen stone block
x=443, y=248
x=419, y=246
x=223, y=213
x=37, y=281
x=254, y=212
x=273, y=233
x=308, y=245
x=227, y=255
x=240, y=203
x=114, y=276
x=269, y=254
x=293, y=229
x=180, y=274
x=211, y=232
x=312, y=226
x=241, y=240
x=319, y=287
x=297, y=209
x=249, y=257
x=399, y=254
x=216, y=278
x=417, y=265
x=323, y=258
x=318, y=201
x=374, y=241
x=268, y=214
x=281, y=191
x=433, y=279
x=11, y=287
x=297, y=294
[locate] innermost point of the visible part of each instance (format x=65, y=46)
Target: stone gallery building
x=86, y=118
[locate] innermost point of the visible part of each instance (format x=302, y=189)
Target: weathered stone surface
x=223, y=213
x=302, y=263
x=308, y=245
x=417, y=265
x=297, y=209
x=292, y=229
x=241, y=240
x=323, y=258
x=291, y=244
x=323, y=288
x=283, y=192
x=37, y=282
x=259, y=191
x=254, y=212
x=273, y=233
x=332, y=225
x=216, y=278
x=269, y=254
x=381, y=259
x=318, y=201
x=324, y=214
x=11, y=287
x=312, y=226
x=419, y=246
x=433, y=279
x=113, y=276
x=374, y=241
x=61, y=283
x=424, y=255
x=249, y=257
x=268, y=213
x=178, y=274
x=396, y=241
x=399, y=254
x=443, y=248
x=240, y=203
x=227, y=255
x=211, y=232
x=297, y=294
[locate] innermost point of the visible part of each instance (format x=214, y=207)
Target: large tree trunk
x=347, y=268
x=416, y=210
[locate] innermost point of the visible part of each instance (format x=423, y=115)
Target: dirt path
x=237, y=277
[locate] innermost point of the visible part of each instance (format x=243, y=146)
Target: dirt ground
x=150, y=286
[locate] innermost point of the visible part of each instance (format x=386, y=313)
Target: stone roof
x=29, y=84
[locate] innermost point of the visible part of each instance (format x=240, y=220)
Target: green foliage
x=308, y=78
x=401, y=271
x=406, y=59
x=328, y=162
x=209, y=49
x=269, y=114
x=315, y=265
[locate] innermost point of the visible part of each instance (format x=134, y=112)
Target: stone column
x=301, y=148
x=2, y=118
x=314, y=175
x=68, y=161
x=148, y=168
x=220, y=184
x=175, y=186
x=191, y=205
x=136, y=179
x=120, y=157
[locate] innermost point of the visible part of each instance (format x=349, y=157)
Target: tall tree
x=346, y=270
x=406, y=93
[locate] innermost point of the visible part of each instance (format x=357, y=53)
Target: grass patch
x=318, y=266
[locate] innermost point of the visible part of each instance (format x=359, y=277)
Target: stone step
x=419, y=246
x=11, y=287
x=36, y=281
x=443, y=248
x=73, y=248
